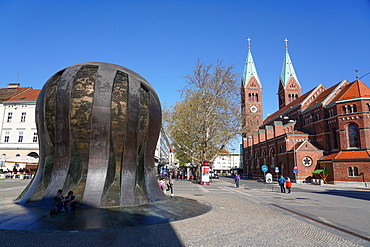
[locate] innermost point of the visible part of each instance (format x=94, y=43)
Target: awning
x=320, y=171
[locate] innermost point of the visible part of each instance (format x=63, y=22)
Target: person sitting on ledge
x=58, y=202
x=69, y=202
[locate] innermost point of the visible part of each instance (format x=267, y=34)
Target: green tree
x=208, y=115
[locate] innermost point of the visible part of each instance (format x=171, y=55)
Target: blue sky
x=162, y=40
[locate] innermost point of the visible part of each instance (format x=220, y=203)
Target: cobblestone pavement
x=237, y=218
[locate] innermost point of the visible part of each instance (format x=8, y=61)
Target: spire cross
x=286, y=43
x=249, y=43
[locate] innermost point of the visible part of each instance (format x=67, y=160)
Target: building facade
x=226, y=162
x=18, y=135
x=323, y=134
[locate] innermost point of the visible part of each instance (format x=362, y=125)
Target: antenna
x=19, y=71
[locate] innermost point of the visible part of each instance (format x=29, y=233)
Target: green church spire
x=249, y=68
x=288, y=69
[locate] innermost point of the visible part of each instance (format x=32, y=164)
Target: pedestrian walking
x=170, y=185
x=282, y=184
x=237, y=180
x=162, y=183
x=288, y=184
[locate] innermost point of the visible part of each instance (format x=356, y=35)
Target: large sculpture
x=98, y=125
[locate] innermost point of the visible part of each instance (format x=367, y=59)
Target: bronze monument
x=98, y=125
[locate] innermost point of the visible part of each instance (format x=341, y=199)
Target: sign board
x=264, y=168
x=295, y=170
x=276, y=169
x=205, y=173
x=269, y=178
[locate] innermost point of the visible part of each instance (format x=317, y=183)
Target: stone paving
x=236, y=219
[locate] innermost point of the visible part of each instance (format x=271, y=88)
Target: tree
x=208, y=117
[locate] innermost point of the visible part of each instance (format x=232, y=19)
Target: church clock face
x=254, y=109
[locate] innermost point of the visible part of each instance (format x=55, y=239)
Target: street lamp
x=232, y=164
x=294, y=158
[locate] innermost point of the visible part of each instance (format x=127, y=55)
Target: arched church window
x=353, y=136
x=272, y=158
x=350, y=172
x=335, y=140
x=355, y=171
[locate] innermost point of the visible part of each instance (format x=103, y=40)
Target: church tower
x=251, y=94
x=289, y=87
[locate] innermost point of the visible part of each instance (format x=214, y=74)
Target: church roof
x=344, y=155
x=281, y=112
x=250, y=69
x=354, y=90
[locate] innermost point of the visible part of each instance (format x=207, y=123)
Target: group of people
x=167, y=183
x=285, y=183
x=64, y=204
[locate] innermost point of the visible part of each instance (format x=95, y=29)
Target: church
x=321, y=136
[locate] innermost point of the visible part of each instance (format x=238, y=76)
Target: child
x=70, y=201
x=58, y=202
x=288, y=184
x=162, y=181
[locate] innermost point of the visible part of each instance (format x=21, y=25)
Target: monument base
x=18, y=217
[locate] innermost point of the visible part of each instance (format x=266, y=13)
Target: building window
x=353, y=136
x=20, y=137
x=352, y=171
x=335, y=140
x=349, y=109
x=272, y=161
x=6, y=136
x=34, y=136
x=23, y=117
x=10, y=115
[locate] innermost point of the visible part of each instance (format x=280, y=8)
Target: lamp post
x=232, y=162
x=294, y=158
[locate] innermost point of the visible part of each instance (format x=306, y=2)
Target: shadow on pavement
x=362, y=195
x=18, y=217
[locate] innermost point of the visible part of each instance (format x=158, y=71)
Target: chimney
x=13, y=85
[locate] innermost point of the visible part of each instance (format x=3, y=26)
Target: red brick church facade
x=325, y=131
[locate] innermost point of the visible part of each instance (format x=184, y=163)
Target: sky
x=162, y=40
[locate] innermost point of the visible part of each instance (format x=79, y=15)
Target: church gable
x=307, y=146
x=252, y=83
x=315, y=97
x=292, y=84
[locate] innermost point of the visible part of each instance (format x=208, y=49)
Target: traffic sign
x=276, y=169
x=295, y=170
x=264, y=168
x=269, y=178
